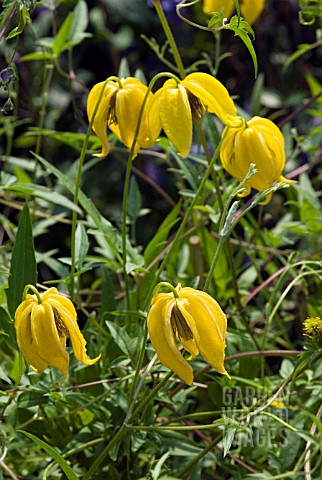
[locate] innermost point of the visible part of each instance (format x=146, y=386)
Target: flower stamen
x=197, y=108
x=61, y=329
x=111, y=112
x=179, y=325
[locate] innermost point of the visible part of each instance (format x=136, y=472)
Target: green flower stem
x=34, y=290
x=77, y=189
x=214, y=263
x=198, y=457
x=213, y=172
x=48, y=75
x=170, y=38
x=224, y=234
x=178, y=428
x=166, y=285
x=124, y=428
x=134, y=393
x=147, y=400
x=128, y=177
x=124, y=216
x=184, y=222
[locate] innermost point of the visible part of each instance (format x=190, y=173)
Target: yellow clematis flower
x=257, y=141
x=193, y=317
x=119, y=109
x=175, y=106
x=42, y=322
x=250, y=10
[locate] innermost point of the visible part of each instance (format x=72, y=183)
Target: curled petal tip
x=90, y=361
x=287, y=180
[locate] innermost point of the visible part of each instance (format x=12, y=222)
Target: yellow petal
x=225, y=6
x=66, y=310
x=214, y=96
x=100, y=120
x=162, y=337
x=25, y=339
x=128, y=105
x=45, y=335
x=154, y=124
x=210, y=322
x=24, y=309
x=175, y=115
x=251, y=148
x=274, y=140
x=251, y=9
x=191, y=347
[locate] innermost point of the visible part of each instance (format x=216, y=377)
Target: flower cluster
x=135, y=114
x=173, y=108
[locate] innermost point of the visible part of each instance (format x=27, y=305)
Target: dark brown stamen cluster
x=197, y=108
x=111, y=112
x=61, y=329
x=179, y=325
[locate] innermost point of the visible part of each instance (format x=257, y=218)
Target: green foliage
x=68, y=220
x=23, y=269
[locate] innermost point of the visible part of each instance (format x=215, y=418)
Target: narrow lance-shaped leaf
x=23, y=269
x=54, y=454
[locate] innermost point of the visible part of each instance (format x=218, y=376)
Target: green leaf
x=218, y=17
x=54, y=454
x=228, y=439
x=111, y=235
x=7, y=7
x=4, y=377
x=59, y=44
x=81, y=245
x=23, y=17
x=107, y=294
x=134, y=203
x=120, y=337
x=124, y=69
x=242, y=32
x=44, y=193
x=79, y=24
x=36, y=56
x=23, y=268
x=74, y=140
x=155, y=246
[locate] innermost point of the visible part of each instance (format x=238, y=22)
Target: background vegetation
x=125, y=417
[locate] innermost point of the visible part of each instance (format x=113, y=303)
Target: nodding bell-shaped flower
x=42, y=322
x=119, y=109
x=250, y=10
x=176, y=105
x=196, y=320
x=257, y=141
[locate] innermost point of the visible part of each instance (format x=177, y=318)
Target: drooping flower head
x=119, y=109
x=249, y=9
x=196, y=320
x=176, y=105
x=42, y=322
x=257, y=141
